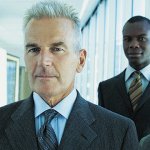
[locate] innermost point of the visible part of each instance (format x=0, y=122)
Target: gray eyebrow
x=58, y=43
x=31, y=45
x=53, y=44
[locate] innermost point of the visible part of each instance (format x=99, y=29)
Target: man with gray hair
x=55, y=116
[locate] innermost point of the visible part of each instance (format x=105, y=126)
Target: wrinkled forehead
x=136, y=28
x=49, y=24
x=46, y=28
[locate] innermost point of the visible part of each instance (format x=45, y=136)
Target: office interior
x=101, y=22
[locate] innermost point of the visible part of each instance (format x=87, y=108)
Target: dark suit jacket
x=145, y=143
x=112, y=95
x=89, y=127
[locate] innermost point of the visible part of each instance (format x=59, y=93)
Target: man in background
x=128, y=93
x=55, y=116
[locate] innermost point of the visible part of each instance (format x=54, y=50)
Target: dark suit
x=145, y=143
x=112, y=94
x=89, y=127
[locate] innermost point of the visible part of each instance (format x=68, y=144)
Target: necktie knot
x=49, y=115
x=137, y=75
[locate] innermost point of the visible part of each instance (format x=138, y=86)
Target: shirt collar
x=63, y=107
x=145, y=72
x=128, y=72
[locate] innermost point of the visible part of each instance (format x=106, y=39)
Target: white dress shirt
x=145, y=76
x=59, y=121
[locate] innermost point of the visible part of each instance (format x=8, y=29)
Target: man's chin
x=135, y=60
x=136, y=64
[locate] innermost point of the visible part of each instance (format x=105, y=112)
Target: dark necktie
x=46, y=136
x=135, y=89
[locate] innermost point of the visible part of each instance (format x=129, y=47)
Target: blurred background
x=101, y=22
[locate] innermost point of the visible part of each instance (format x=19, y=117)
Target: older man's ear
x=82, y=59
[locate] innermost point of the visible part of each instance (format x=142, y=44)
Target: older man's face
x=50, y=58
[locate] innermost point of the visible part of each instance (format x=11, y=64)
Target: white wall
x=3, y=77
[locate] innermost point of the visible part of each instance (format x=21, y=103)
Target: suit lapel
x=120, y=81
x=144, y=98
x=121, y=87
x=21, y=130
x=77, y=133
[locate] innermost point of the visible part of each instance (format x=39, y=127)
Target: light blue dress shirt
x=145, y=76
x=63, y=108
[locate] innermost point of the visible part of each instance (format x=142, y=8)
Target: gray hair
x=53, y=9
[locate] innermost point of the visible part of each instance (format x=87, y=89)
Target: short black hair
x=137, y=19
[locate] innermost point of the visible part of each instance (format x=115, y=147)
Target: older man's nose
x=45, y=58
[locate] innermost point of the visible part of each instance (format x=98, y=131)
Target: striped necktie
x=135, y=89
x=46, y=136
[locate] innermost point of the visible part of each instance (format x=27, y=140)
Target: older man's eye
x=57, y=49
x=34, y=50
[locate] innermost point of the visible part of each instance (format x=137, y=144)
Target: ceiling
x=11, y=19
